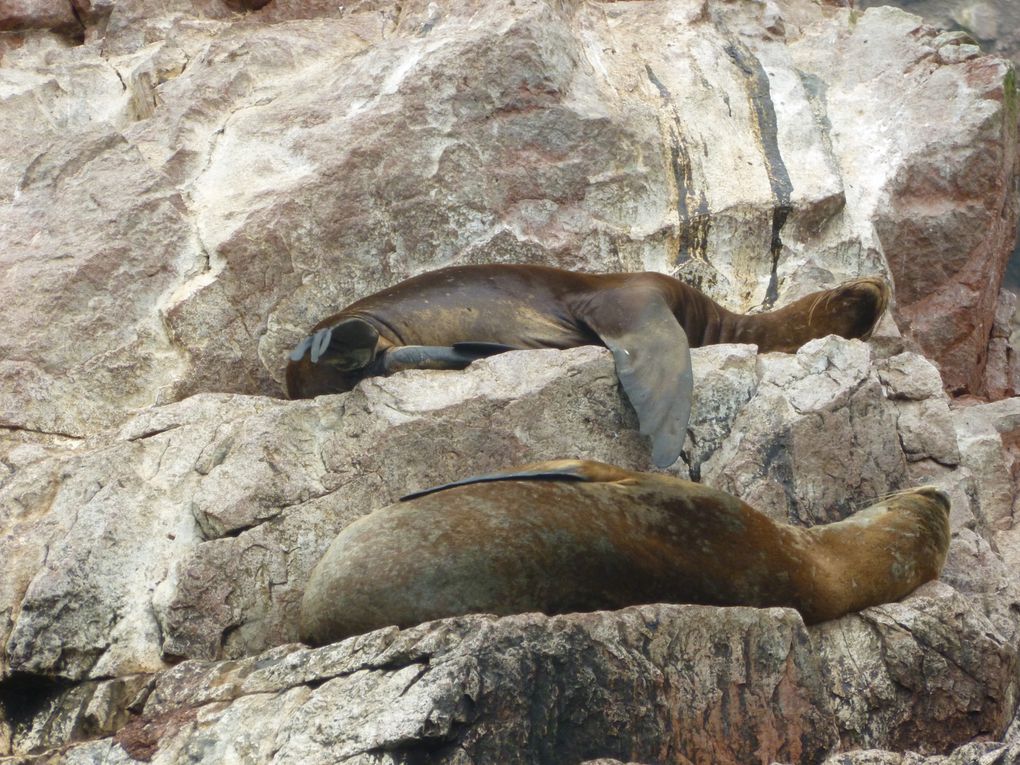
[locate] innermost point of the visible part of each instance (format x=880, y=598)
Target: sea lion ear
x=653, y=362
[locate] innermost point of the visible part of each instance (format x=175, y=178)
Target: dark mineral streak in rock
x=693, y=228
x=759, y=95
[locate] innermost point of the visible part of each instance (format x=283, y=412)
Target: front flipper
x=484, y=349
x=557, y=470
x=653, y=362
x=457, y=356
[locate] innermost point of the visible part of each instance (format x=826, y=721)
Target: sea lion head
x=852, y=309
x=930, y=506
x=332, y=360
x=915, y=530
x=877, y=555
x=933, y=494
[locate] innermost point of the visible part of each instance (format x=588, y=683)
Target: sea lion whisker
x=814, y=305
x=877, y=499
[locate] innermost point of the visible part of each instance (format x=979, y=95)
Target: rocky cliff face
x=185, y=189
x=994, y=24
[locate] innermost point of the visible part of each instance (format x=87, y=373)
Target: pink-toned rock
x=946, y=236
x=935, y=639
x=58, y=15
x=1002, y=374
x=87, y=331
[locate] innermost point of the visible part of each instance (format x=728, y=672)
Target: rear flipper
x=457, y=356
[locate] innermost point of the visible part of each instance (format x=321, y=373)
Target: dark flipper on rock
x=653, y=362
x=457, y=356
x=556, y=470
x=484, y=349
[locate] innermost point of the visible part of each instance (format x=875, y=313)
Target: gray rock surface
x=186, y=191
x=648, y=684
x=923, y=674
x=189, y=532
x=584, y=685
x=994, y=24
x=231, y=500
x=210, y=513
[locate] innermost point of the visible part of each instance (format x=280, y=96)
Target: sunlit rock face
x=990, y=26
x=188, y=191
x=186, y=187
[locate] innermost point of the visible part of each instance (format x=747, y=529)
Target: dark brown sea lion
x=571, y=535
x=445, y=319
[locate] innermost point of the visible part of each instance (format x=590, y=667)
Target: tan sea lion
x=445, y=319
x=573, y=535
